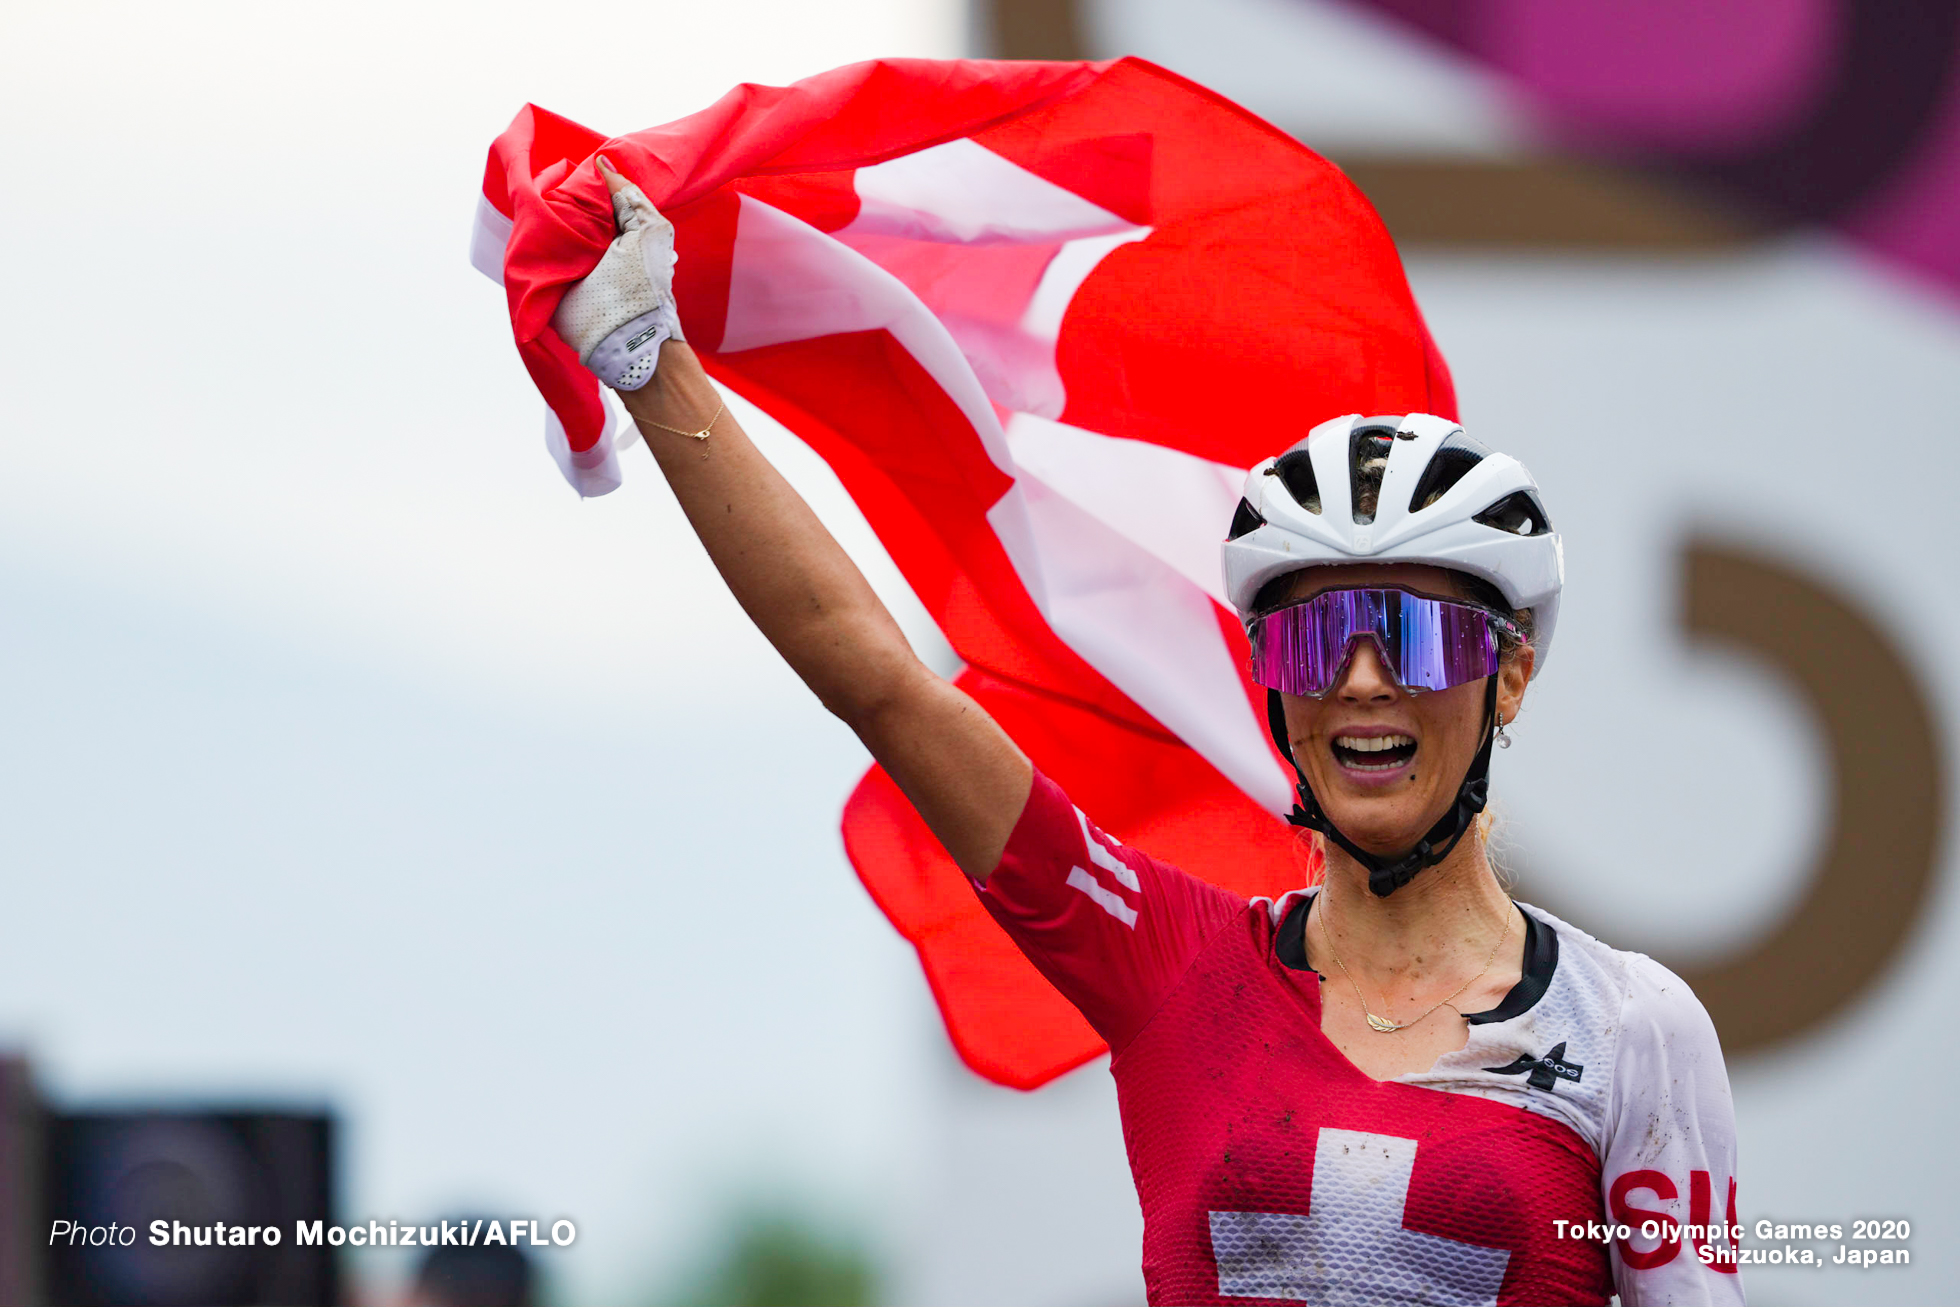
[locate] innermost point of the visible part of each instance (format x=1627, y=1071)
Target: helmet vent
x=1448, y=465
x=1245, y=521
x=1519, y=512
x=1368, y=450
x=1295, y=472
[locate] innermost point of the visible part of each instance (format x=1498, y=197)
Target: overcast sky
x=349, y=758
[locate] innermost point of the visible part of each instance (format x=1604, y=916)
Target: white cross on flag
x=1038, y=318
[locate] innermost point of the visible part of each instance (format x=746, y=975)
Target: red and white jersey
x=1270, y=1168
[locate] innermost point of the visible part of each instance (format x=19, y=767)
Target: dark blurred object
x=1543, y=203
x=20, y=1164
x=250, y=1169
x=1034, y=29
x=495, y=1275
x=778, y=1259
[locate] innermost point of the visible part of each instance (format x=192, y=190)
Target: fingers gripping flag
x=1039, y=318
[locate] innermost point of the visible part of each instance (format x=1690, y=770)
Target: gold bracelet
x=702, y=434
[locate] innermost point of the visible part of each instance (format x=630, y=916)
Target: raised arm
x=960, y=770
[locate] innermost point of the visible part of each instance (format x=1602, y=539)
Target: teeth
x=1375, y=743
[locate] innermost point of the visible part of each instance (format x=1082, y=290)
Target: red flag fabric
x=1039, y=318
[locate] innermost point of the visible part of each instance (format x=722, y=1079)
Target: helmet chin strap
x=1386, y=875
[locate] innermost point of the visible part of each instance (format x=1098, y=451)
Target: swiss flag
x=1039, y=318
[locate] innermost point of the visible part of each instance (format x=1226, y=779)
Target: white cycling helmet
x=1440, y=498
x=1445, y=500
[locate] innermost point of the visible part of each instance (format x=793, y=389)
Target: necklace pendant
x=1381, y=1024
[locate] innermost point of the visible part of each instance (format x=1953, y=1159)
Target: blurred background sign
x=1605, y=209
x=310, y=657
x=1666, y=126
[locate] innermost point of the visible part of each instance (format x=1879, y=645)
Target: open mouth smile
x=1374, y=755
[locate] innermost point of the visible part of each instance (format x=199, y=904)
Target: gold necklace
x=1382, y=1025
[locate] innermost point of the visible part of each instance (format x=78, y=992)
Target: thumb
x=614, y=182
x=631, y=208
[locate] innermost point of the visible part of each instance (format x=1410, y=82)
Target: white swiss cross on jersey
x=1351, y=1247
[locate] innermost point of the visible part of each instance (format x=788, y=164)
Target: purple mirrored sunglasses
x=1426, y=644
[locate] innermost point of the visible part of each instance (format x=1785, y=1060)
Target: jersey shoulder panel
x=1672, y=1106
x=1668, y=1148
x=1665, y=1045
x=1665, y=1025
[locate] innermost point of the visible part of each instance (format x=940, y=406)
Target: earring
x=1503, y=740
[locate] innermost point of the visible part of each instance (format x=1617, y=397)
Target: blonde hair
x=1493, y=832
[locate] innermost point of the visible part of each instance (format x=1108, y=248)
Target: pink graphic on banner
x=1840, y=112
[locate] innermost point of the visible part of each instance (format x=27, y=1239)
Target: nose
x=1366, y=678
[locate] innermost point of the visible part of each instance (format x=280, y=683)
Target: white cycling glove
x=620, y=314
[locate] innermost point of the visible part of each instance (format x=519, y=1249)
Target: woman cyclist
x=1398, y=1086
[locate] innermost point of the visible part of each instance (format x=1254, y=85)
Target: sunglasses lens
x=1443, y=644
x=1427, y=644
x=1300, y=649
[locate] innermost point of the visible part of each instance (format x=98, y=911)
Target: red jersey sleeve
x=1112, y=928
